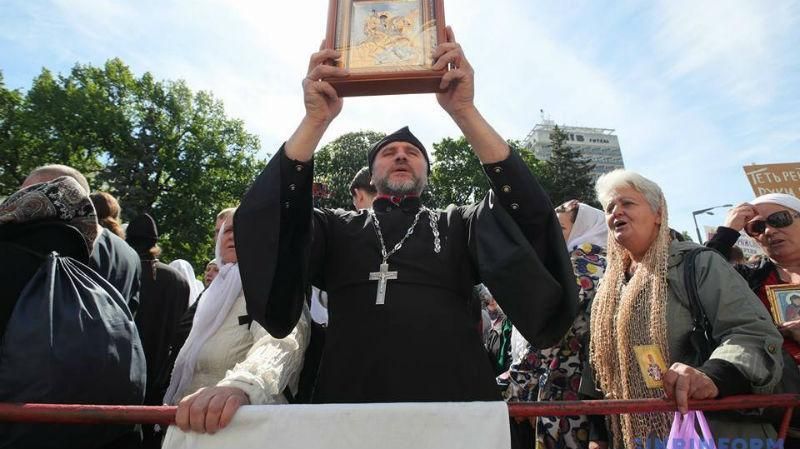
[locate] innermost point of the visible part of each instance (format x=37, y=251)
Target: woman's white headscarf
x=211, y=312
x=589, y=227
x=186, y=270
x=783, y=199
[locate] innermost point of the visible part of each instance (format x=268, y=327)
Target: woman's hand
x=682, y=382
x=209, y=409
x=791, y=329
x=740, y=216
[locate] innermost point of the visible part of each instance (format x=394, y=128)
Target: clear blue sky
x=695, y=90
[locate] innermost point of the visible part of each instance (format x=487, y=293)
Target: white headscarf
x=784, y=199
x=589, y=227
x=185, y=269
x=211, y=312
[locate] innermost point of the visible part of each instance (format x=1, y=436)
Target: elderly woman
x=228, y=359
x=212, y=270
x=554, y=374
x=773, y=220
x=641, y=316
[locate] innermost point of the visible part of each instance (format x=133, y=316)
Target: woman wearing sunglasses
x=773, y=220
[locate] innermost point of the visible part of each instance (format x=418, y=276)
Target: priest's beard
x=413, y=186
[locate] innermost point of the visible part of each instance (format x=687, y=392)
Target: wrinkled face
x=227, y=246
x=218, y=224
x=212, y=270
x=400, y=169
x=565, y=218
x=781, y=244
x=491, y=305
x=632, y=221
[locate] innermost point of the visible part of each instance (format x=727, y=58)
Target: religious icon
x=386, y=44
x=388, y=35
x=784, y=301
x=651, y=364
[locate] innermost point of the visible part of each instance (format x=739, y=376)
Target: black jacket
x=723, y=241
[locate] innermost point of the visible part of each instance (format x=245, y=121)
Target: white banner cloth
x=431, y=425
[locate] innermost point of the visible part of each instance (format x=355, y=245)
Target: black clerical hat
x=142, y=229
x=401, y=135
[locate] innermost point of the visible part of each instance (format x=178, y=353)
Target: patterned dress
x=554, y=374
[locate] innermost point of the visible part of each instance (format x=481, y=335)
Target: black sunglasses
x=779, y=219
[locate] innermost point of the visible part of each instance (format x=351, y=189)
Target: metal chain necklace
x=432, y=220
x=384, y=275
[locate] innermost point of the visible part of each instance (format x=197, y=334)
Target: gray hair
x=608, y=183
x=50, y=172
x=482, y=293
x=413, y=186
x=224, y=213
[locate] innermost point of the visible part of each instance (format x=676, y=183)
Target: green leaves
x=337, y=163
x=11, y=151
x=568, y=175
x=155, y=145
x=163, y=149
x=457, y=175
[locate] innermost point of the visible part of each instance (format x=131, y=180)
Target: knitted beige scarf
x=627, y=315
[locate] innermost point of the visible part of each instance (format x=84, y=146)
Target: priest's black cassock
x=162, y=303
x=423, y=343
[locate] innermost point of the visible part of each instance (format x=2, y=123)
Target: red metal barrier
x=613, y=407
x=165, y=415
x=87, y=414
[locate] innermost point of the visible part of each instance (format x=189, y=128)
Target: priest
x=399, y=276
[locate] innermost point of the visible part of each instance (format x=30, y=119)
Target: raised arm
x=322, y=105
x=458, y=101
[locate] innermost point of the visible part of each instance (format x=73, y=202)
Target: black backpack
x=70, y=339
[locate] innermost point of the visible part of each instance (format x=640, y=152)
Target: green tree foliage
x=568, y=174
x=155, y=145
x=457, y=176
x=11, y=152
x=336, y=163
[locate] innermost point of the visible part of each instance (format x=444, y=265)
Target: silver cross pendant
x=382, y=276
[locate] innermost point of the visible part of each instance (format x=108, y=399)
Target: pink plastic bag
x=684, y=432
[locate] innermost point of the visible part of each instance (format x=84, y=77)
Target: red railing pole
x=787, y=418
x=614, y=407
x=87, y=414
x=165, y=415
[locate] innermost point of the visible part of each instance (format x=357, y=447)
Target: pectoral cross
x=382, y=277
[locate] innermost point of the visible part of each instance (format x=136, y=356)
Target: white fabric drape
x=271, y=364
x=432, y=425
x=319, y=306
x=211, y=313
x=195, y=286
x=589, y=227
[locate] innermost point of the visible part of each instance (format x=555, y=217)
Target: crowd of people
x=509, y=298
